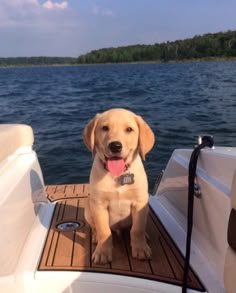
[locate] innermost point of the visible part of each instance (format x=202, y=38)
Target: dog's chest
x=119, y=211
x=120, y=206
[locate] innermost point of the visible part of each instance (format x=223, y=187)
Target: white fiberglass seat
x=21, y=186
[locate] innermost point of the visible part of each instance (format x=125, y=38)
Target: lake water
x=179, y=101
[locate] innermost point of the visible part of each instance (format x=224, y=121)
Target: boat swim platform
x=71, y=250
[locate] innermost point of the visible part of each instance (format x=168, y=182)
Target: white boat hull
x=25, y=216
x=215, y=172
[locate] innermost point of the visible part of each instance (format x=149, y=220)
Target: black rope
x=206, y=141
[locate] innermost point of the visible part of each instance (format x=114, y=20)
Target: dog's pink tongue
x=116, y=166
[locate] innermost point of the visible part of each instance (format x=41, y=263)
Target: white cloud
x=54, y=5
x=20, y=13
x=42, y=28
x=17, y=12
x=27, y=28
x=96, y=10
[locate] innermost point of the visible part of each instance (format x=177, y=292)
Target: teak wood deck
x=71, y=250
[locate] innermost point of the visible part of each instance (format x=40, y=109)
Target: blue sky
x=74, y=27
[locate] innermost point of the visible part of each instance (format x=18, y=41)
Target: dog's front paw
x=142, y=252
x=102, y=255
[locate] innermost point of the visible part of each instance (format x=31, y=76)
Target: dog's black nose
x=115, y=146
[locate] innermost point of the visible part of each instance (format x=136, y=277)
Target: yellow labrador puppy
x=119, y=140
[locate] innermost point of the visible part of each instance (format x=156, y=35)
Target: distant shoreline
x=219, y=46
x=205, y=59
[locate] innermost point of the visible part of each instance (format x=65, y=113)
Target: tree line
x=217, y=45
x=36, y=61
x=208, y=46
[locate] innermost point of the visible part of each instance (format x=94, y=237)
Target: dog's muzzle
x=115, y=147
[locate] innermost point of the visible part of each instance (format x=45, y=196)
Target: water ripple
x=179, y=101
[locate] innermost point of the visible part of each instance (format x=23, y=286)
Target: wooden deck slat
x=79, y=189
x=50, y=242
x=70, y=210
x=81, y=206
x=72, y=250
x=60, y=215
x=70, y=190
x=64, y=249
x=120, y=260
x=159, y=261
x=60, y=190
x=81, y=255
x=47, y=249
x=136, y=265
x=176, y=266
x=175, y=258
x=52, y=250
x=86, y=189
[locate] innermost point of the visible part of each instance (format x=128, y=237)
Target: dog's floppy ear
x=146, y=136
x=89, y=133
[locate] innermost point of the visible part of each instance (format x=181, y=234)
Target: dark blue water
x=179, y=101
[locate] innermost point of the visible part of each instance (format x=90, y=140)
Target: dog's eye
x=105, y=128
x=129, y=129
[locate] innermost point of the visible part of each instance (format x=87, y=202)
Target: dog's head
x=118, y=134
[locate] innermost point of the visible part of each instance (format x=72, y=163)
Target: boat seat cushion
x=14, y=136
